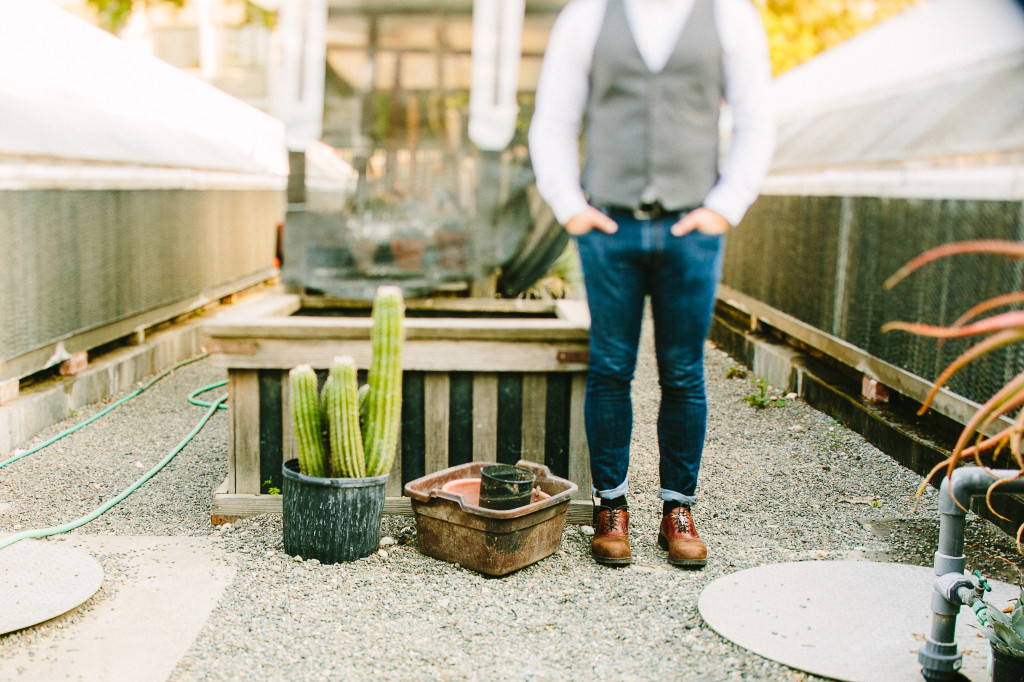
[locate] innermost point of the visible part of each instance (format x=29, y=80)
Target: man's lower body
x=679, y=274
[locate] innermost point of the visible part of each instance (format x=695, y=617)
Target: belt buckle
x=648, y=211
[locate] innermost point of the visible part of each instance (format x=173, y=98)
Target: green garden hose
x=212, y=408
x=106, y=409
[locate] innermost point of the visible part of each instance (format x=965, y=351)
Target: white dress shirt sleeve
x=562, y=92
x=748, y=78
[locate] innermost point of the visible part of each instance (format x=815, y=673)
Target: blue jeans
x=680, y=274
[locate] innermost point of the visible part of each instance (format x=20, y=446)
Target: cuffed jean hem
x=617, y=491
x=672, y=496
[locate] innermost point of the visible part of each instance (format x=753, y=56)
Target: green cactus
x=341, y=404
x=364, y=405
x=361, y=422
x=305, y=409
x=384, y=400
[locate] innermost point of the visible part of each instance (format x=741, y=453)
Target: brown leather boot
x=679, y=536
x=611, y=537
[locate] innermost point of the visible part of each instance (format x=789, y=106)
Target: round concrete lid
x=847, y=620
x=40, y=580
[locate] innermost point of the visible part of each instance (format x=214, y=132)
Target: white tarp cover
x=70, y=91
x=944, y=78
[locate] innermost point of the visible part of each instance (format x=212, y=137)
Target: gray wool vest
x=655, y=131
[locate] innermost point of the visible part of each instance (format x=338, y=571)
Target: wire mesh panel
x=823, y=260
x=80, y=259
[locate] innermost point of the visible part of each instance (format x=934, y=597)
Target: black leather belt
x=645, y=211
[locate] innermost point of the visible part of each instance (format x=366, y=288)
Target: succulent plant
x=384, y=399
x=340, y=404
x=361, y=423
x=1005, y=631
x=995, y=331
x=305, y=409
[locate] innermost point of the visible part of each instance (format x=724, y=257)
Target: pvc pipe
x=939, y=656
x=496, y=52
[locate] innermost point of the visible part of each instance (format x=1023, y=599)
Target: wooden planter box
x=484, y=380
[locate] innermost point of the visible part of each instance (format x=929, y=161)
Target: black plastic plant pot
x=1006, y=666
x=503, y=486
x=331, y=519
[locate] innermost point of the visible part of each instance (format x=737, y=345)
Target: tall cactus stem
x=342, y=405
x=305, y=409
x=384, y=400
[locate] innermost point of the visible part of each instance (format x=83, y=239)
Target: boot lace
x=681, y=519
x=610, y=520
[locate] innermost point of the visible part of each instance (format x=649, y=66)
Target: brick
x=872, y=391
x=76, y=364
x=8, y=392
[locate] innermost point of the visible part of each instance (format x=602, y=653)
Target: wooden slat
x=580, y=511
x=432, y=356
x=479, y=306
x=394, y=484
x=41, y=358
x=579, y=453
x=535, y=392
x=244, y=388
x=236, y=506
x=228, y=507
x=485, y=417
x=299, y=327
x=436, y=391
x=289, y=450
x=575, y=312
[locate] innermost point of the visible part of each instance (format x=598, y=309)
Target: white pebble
x=587, y=530
x=298, y=558
x=387, y=541
x=382, y=554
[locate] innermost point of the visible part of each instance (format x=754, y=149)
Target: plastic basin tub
x=489, y=541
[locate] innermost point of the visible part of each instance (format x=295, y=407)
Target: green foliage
x=833, y=440
x=1006, y=632
x=762, y=398
x=112, y=14
x=361, y=424
x=563, y=279
x=736, y=372
x=270, y=488
x=799, y=29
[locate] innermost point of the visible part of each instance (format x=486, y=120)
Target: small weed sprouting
x=735, y=372
x=833, y=437
x=270, y=488
x=762, y=398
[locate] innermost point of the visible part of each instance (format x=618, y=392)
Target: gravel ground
x=778, y=484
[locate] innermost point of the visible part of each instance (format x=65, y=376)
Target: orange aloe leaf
x=1003, y=338
x=991, y=489
x=972, y=424
x=1010, y=403
x=990, y=304
x=1015, y=439
x=995, y=246
x=924, y=482
x=996, y=323
x=988, y=443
